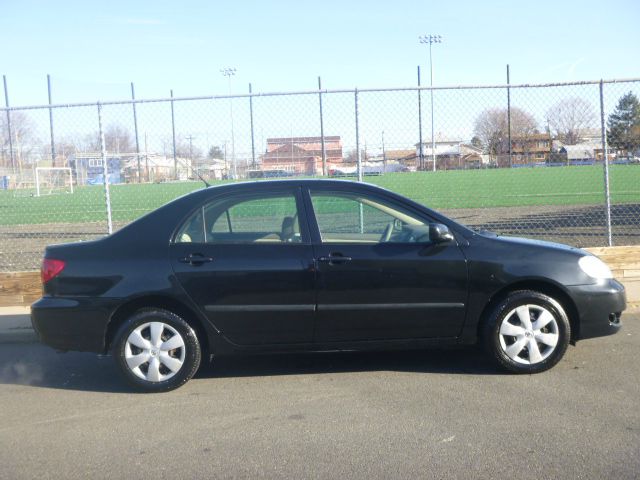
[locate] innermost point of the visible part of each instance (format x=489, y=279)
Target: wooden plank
x=29, y=299
x=12, y=300
x=19, y=288
x=632, y=288
x=24, y=283
x=627, y=250
x=631, y=273
x=619, y=258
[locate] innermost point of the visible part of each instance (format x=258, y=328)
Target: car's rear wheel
x=527, y=332
x=156, y=350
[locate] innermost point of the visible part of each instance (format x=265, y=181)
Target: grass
x=439, y=190
x=515, y=187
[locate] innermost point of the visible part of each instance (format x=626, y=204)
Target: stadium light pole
x=431, y=39
x=230, y=72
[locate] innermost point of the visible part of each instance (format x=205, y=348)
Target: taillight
x=50, y=269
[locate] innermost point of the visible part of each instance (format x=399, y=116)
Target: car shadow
x=469, y=361
x=39, y=366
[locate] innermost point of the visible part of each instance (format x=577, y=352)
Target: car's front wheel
x=156, y=350
x=527, y=332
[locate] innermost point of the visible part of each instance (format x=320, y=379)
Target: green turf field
x=439, y=190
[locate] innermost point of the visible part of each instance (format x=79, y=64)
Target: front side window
x=267, y=219
x=346, y=218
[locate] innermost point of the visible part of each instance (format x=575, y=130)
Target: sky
x=93, y=50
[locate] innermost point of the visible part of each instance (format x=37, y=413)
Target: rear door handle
x=196, y=259
x=333, y=259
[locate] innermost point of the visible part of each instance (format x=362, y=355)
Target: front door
x=379, y=275
x=247, y=264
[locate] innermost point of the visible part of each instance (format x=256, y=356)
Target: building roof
x=306, y=143
x=581, y=150
x=531, y=136
x=404, y=154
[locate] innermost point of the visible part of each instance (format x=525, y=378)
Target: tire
x=527, y=332
x=156, y=350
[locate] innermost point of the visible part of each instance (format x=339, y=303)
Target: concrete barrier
x=15, y=325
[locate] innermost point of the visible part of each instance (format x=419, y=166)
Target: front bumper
x=599, y=308
x=70, y=323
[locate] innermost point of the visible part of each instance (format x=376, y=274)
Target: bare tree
x=352, y=156
x=117, y=139
x=184, y=150
x=65, y=146
x=569, y=118
x=23, y=138
x=491, y=128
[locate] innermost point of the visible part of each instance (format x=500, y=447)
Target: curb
x=15, y=325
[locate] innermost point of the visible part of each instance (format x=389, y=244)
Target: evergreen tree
x=215, y=152
x=623, y=132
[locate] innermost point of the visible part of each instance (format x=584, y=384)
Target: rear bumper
x=70, y=323
x=599, y=308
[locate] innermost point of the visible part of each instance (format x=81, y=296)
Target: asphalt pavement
x=434, y=414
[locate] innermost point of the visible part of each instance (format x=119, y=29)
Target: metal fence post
x=53, y=144
x=433, y=129
x=253, y=144
x=105, y=171
x=322, y=144
x=421, y=159
x=6, y=102
x=509, y=118
x=173, y=133
x=135, y=128
x=358, y=157
x=605, y=155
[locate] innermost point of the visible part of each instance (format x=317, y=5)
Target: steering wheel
x=386, y=235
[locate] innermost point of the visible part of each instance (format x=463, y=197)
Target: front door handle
x=334, y=258
x=196, y=259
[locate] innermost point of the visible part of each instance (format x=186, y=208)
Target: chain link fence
x=556, y=162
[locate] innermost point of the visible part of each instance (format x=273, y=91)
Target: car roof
x=308, y=182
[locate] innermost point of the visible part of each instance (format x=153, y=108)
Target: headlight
x=594, y=267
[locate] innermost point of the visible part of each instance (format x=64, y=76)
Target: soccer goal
x=50, y=181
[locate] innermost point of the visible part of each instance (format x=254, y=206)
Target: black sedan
x=315, y=265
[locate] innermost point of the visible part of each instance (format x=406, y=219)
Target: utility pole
x=421, y=148
x=173, y=135
x=53, y=143
x=230, y=72
x=431, y=39
x=146, y=155
x=135, y=128
x=509, y=117
x=9, y=134
x=384, y=155
x=190, y=138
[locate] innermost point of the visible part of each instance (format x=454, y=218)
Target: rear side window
x=268, y=219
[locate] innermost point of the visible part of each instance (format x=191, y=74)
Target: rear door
x=246, y=260
x=379, y=275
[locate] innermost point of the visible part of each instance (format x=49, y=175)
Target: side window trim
x=228, y=221
x=204, y=224
x=314, y=226
x=296, y=192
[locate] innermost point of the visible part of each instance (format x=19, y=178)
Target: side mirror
x=440, y=233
